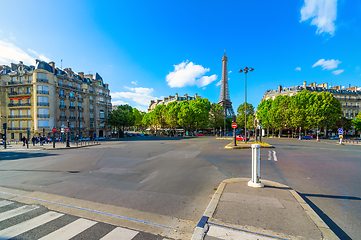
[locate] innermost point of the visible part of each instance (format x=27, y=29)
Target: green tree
x=171, y=112
x=344, y=123
x=279, y=115
x=357, y=122
x=298, y=108
x=200, y=108
x=120, y=118
x=263, y=113
x=185, y=115
x=240, y=115
x=331, y=110
x=138, y=118
x=160, y=115
x=216, y=118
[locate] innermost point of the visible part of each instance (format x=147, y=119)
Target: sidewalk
x=238, y=211
x=46, y=146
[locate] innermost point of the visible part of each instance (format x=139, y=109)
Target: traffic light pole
x=67, y=139
x=5, y=127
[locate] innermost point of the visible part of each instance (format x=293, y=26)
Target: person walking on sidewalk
x=33, y=140
x=23, y=139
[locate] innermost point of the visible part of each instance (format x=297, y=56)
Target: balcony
x=19, y=116
x=62, y=117
x=80, y=118
x=71, y=107
x=91, y=109
x=42, y=80
x=62, y=96
x=18, y=128
x=18, y=82
x=42, y=92
x=19, y=104
x=91, y=100
x=72, y=118
x=71, y=98
x=80, y=99
x=62, y=106
x=80, y=108
x=43, y=115
x=17, y=94
x=62, y=85
x=43, y=104
x=90, y=91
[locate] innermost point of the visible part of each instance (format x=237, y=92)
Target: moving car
x=308, y=137
x=241, y=138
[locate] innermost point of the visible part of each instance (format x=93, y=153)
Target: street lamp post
x=245, y=70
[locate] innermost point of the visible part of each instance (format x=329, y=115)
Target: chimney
x=176, y=96
x=304, y=85
x=52, y=65
x=151, y=102
x=313, y=84
x=158, y=101
x=21, y=62
x=195, y=96
x=81, y=74
x=279, y=88
x=323, y=85
x=186, y=96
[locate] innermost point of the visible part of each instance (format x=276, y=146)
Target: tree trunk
x=279, y=133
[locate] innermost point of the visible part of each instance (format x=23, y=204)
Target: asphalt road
x=176, y=177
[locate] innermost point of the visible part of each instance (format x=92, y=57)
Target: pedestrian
x=26, y=141
x=33, y=140
x=23, y=139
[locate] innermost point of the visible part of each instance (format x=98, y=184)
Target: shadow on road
x=152, y=138
x=331, y=224
x=5, y=156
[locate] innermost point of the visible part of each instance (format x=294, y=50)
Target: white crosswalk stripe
x=70, y=230
x=120, y=233
x=4, y=203
x=272, y=154
x=17, y=211
x=28, y=225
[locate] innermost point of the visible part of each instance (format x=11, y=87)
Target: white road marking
x=269, y=155
x=274, y=156
x=120, y=233
x=28, y=225
x=17, y=211
x=4, y=203
x=69, y=231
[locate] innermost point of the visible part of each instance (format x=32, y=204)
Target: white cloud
x=323, y=14
x=189, y=74
x=134, y=82
x=119, y=102
x=298, y=69
x=40, y=56
x=219, y=83
x=139, y=95
x=229, y=71
x=329, y=64
x=337, y=72
x=9, y=53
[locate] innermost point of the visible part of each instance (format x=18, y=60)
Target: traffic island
x=248, y=145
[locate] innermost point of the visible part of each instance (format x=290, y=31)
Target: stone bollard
x=256, y=167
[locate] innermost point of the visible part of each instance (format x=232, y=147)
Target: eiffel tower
x=224, y=99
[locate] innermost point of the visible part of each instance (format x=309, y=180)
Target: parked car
x=84, y=139
x=200, y=134
x=100, y=138
x=241, y=138
x=335, y=138
x=308, y=137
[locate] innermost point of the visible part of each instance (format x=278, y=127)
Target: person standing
x=33, y=140
x=23, y=139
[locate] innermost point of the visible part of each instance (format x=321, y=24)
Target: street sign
x=234, y=125
x=341, y=136
x=66, y=129
x=340, y=131
x=54, y=130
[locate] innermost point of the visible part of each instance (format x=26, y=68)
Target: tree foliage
x=357, y=122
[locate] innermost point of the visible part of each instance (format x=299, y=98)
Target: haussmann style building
x=41, y=97
x=166, y=100
x=350, y=97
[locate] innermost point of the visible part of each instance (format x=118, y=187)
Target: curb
x=202, y=227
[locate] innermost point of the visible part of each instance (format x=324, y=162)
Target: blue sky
x=151, y=49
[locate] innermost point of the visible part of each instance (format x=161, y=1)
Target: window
x=42, y=88
x=90, y=89
x=43, y=123
x=62, y=113
x=29, y=124
x=42, y=76
x=71, y=94
x=350, y=104
x=13, y=79
x=71, y=104
x=20, y=101
x=100, y=91
x=12, y=123
x=12, y=135
x=62, y=124
x=60, y=82
x=71, y=114
x=43, y=111
x=91, y=115
x=100, y=84
x=43, y=99
x=20, y=112
x=91, y=124
x=79, y=104
x=12, y=112
x=346, y=104
x=61, y=102
x=101, y=114
x=30, y=78
x=91, y=106
x=21, y=79
x=101, y=99
x=346, y=111
x=81, y=125
x=21, y=124
x=80, y=114
x=70, y=84
x=28, y=100
x=72, y=124
x=101, y=125
x=28, y=90
x=90, y=97
x=19, y=90
x=78, y=86
x=29, y=112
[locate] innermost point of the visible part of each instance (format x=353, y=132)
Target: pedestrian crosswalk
x=23, y=221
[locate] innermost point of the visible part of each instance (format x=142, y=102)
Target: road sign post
x=54, y=131
x=67, y=133
x=234, y=126
x=340, y=134
x=27, y=139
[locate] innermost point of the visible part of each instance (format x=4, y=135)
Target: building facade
x=350, y=97
x=166, y=100
x=41, y=97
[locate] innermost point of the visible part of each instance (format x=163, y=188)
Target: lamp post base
x=255, y=185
